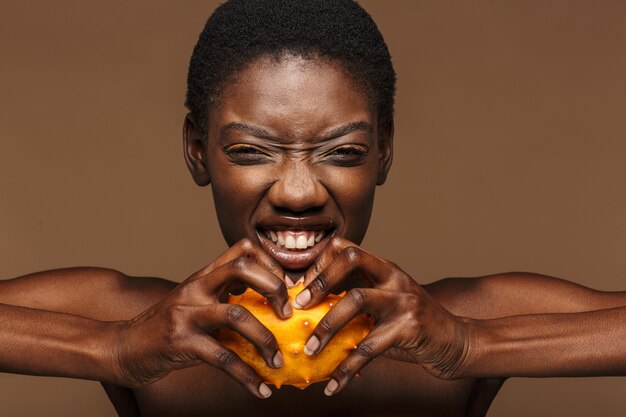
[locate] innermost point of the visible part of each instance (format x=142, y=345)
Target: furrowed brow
x=348, y=128
x=246, y=128
x=259, y=132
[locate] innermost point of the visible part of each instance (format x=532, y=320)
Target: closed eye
x=347, y=155
x=246, y=154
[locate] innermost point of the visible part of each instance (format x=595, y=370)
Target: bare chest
x=386, y=388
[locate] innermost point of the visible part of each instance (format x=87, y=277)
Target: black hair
x=240, y=31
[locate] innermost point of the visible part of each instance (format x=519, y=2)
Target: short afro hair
x=241, y=31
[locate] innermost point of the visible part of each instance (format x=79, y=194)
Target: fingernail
x=289, y=282
x=301, y=279
x=302, y=299
x=331, y=387
x=312, y=345
x=287, y=309
x=266, y=391
x=278, y=359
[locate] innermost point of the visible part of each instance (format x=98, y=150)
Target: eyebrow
x=348, y=128
x=264, y=134
x=246, y=128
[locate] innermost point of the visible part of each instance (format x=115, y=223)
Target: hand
x=409, y=324
x=178, y=331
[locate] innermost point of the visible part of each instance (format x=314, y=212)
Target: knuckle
x=276, y=292
x=250, y=378
x=277, y=287
x=240, y=264
x=320, y=284
x=365, y=350
x=224, y=358
x=357, y=297
x=325, y=325
x=237, y=314
x=337, y=244
x=175, y=314
x=267, y=339
x=343, y=371
x=413, y=321
x=246, y=244
x=176, y=324
x=190, y=290
x=352, y=254
x=315, y=269
x=414, y=306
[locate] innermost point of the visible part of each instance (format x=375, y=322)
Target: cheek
x=353, y=191
x=236, y=194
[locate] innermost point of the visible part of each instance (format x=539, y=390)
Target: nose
x=297, y=189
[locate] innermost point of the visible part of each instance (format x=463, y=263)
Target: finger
x=248, y=249
x=375, y=344
x=216, y=355
x=350, y=261
x=240, y=320
x=247, y=272
x=356, y=301
x=329, y=253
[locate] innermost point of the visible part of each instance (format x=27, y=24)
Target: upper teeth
x=301, y=239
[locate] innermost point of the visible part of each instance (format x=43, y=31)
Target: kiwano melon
x=300, y=369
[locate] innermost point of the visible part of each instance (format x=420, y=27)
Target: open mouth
x=295, y=248
x=295, y=240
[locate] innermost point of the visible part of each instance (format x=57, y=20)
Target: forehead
x=292, y=97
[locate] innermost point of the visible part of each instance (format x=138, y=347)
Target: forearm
x=44, y=343
x=548, y=345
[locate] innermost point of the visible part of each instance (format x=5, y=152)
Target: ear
x=195, y=152
x=385, y=152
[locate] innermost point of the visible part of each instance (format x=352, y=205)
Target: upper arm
x=518, y=293
x=97, y=293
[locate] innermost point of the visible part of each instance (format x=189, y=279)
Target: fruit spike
x=299, y=370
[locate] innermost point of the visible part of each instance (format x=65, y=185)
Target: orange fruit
x=300, y=369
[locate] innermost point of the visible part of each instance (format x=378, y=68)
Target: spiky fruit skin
x=300, y=369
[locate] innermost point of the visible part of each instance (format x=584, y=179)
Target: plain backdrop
x=509, y=155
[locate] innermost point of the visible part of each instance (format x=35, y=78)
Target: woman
x=291, y=123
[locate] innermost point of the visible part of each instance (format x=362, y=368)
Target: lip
x=296, y=223
x=292, y=260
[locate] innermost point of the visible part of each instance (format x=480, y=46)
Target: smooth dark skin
x=288, y=170
x=294, y=169
x=270, y=157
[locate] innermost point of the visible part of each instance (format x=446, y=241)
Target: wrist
x=473, y=348
x=104, y=353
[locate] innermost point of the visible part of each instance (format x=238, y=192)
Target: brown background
x=509, y=156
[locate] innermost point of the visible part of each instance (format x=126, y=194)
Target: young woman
x=291, y=123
